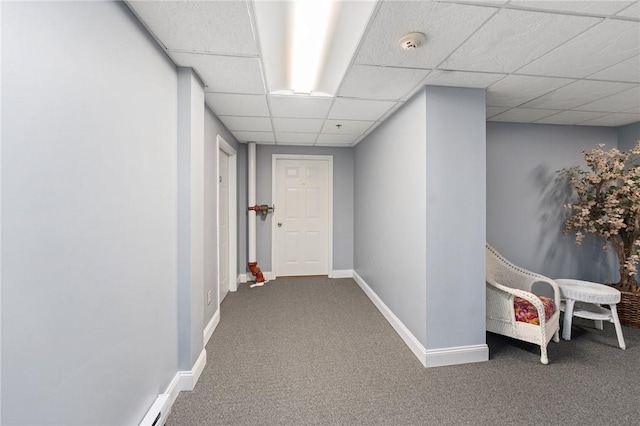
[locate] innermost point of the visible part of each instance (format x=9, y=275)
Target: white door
x=301, y=217
x=223, y=207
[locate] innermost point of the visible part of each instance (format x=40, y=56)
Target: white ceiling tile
x=632, y=11
x=296, y=138
x=199, y=26
x=523, y=115
x=578, y=93
x=299, y=107
x=251, y=124
x=266, y=137
x=298, y=125
x=606, y=44
x=435, y=20
x=514, y=38
x=385, y=83
x=613, y=120
x=609, y=7
x=478, y=80
x=347, y=127
x=515, y=90
x=232, y=104
x=570, y=117
x=356, y=109
x=492, y=111
x=614, y=103
x=224, y=73
x=333, y=139
x=628, y=70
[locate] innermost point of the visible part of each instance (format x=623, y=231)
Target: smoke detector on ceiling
x=412, y=41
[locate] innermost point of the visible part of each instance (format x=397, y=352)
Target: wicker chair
x=504, y=282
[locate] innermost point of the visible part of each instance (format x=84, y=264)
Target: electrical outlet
x=209, y=297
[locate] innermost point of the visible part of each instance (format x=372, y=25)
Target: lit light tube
x=312, y=28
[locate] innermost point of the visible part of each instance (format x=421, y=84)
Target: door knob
x=279, y=224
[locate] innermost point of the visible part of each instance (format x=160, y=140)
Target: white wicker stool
x=589, y=296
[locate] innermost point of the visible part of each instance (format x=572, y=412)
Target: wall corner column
x=456, y=225
x=190, y=251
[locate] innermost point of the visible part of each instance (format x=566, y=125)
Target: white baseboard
x=208, y=330
x=428, y=357
x=188, y=379
x=344, y=273
x=182, y=381
x=242, y=278
x=457, y=355
x=416, y=347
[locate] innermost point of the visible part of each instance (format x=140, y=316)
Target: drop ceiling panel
x=523, y=115
x=347, y=127
x=299, y=107
x=200, y=26
x=435, y=20
x=632, y=11
x=333, y=140
x=514, y=90
x=614, y=103
x=570, y=117
x=262, y=137
x=605, y=45
x=628, y=70
x=613, y=120
x=610, y=7
x=356, y=109
x=297, y=125
x=224, y=73
x=251, y=124
x=578, y=93
x=242, y=105
x=384, y=83
x=479, y=80
x=296, y=138
x=513, y=38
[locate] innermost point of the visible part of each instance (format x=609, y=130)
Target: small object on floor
x=259, y=284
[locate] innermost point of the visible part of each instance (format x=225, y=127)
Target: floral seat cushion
x=526, y=312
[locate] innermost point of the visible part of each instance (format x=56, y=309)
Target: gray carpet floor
x=302, y=351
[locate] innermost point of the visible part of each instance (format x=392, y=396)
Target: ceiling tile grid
x=514, y=38
x=222, y=27
x=551, y=62
x=226, y=74
x=606, y=44
x=382, y=83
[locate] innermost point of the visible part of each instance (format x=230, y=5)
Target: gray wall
x=212, y=128
x=342, y=202
x=455, y=216
x=390, y=211
x=89, y=271
x=628, y=136
x=525, y=213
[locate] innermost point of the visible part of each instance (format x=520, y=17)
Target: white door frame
x=223, y=145
x=329, y=158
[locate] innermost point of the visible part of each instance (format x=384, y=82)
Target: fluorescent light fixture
x=344, y=23
x=312, y=25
